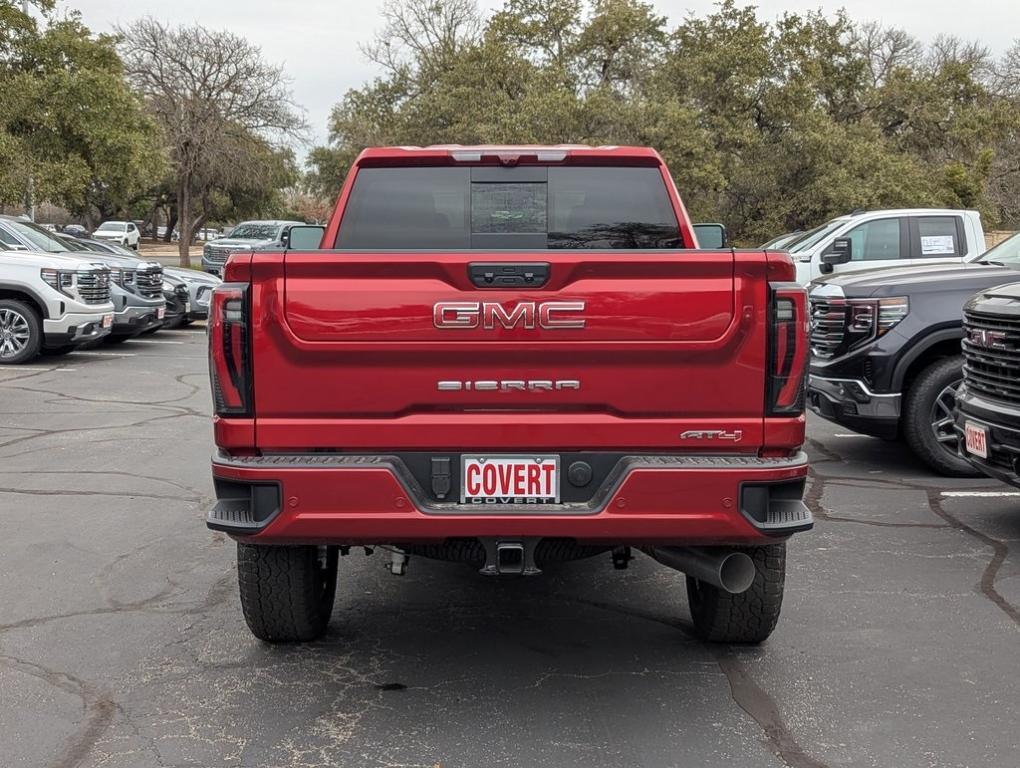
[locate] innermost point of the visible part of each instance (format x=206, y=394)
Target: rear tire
x=749, y=617
x=287, y=591
x=21, y=332
x=928, y=417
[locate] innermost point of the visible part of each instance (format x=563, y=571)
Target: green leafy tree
x=768, y=125
x=71, y=130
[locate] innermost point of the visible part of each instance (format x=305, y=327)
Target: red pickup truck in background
x=509, y=356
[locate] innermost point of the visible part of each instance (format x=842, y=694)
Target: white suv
x=121, y=232
x=50, y=303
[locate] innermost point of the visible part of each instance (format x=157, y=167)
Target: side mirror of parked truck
x=839, y=252
x=711, y=236
x=305, y=238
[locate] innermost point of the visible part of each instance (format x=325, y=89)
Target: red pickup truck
x=509, y=356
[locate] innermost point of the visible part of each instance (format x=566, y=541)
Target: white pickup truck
x=50, y=302
x=889, y=238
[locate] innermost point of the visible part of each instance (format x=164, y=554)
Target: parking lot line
x=107, y=354
x=159, y=341
x=981, y=494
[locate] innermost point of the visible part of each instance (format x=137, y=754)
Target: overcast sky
x=317, y=40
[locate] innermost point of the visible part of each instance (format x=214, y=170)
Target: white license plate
x=506, y=479
x=108, y=321
x=976, y=438
x=161, y=313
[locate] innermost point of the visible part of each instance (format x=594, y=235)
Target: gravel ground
x=122, y=642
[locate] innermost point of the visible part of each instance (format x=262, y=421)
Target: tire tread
x=916, y=418
x=35, y=327
x=280, y=595
x=749, y=617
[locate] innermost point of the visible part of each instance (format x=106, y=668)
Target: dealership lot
x=122, y=643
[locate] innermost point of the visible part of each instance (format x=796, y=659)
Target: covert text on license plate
x=506, y=479
x=976, y=439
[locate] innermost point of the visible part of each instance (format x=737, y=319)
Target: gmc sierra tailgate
x=629, y=350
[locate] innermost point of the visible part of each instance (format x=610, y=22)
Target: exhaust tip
x=730, y=571
x=736, y=573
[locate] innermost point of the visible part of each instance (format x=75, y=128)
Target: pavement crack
x=176, y=414
x=762, y=708
x=98, y=708
x=121, y=494
x=813, y=501
x=999, y=551
x=165, y=404
x=218, y=594
x=77, y=748
x=745, y=692
x=113, y=473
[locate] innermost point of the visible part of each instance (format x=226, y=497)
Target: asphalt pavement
x=122, y=642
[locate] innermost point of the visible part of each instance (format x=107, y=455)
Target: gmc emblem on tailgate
x=547, y=315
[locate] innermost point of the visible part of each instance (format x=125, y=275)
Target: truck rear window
x=524, y=207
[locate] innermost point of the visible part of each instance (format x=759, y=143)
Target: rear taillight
x=788, y=349
x=229, y=350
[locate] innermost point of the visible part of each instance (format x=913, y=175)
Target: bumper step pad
x=776, y=508
x=233, y=514
x=786, y=515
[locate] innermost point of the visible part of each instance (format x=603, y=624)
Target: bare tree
x=1007, y=72
x=213, y=95
x=421, y=34
x=949, y=50
x=886, y=49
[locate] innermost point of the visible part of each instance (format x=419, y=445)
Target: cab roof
x=507, y=154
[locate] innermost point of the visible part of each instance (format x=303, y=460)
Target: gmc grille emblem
x=980, y=337
x=547, y=315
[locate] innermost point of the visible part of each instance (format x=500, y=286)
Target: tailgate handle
x=504, y=275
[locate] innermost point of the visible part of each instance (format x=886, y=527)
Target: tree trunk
x=185, y=226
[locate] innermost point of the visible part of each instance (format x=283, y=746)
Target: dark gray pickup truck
x=886, y=358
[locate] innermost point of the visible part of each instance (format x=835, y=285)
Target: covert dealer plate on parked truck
x=503, y=479
x=976, y=438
